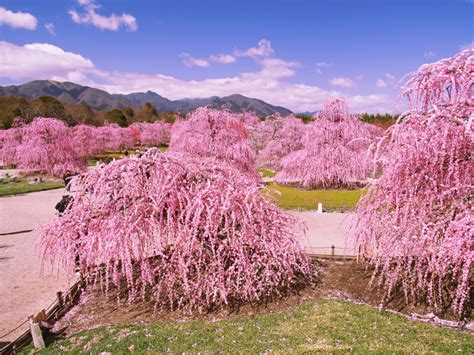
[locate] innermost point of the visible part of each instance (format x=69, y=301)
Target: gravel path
x=22, y=290
x=327, y=229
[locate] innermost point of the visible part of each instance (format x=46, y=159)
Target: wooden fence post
x=59, y=294
x=36, y=334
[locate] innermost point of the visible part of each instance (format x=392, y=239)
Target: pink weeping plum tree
x=10, y=140
x=215, y=133
x=251, y=123
x=264, y=131
x=47, y=147
x=334, y=153
x=187, y=232
x=155, y=134
x=112, y=137
x=416, y=223
x=86, y=141
x=286, y=137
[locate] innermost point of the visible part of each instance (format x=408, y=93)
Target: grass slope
x=23, y=187
x=325, y=325
x=266, y=172
x=290, y=198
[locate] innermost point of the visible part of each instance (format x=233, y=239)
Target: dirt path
x=22, y=290
x=327, y=229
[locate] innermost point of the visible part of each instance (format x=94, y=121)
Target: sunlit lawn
x=22, y=187
x=333, y=200
x=266, y=173
x=321, y=326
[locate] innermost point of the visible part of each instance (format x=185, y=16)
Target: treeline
x=74, y=114
x=384, y=121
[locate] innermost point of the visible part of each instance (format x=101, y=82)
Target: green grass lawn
x=23, y=187
x=332, y=200
x=323, y=326
x=266, y=172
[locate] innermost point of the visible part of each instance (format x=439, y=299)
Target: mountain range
x=97, y=99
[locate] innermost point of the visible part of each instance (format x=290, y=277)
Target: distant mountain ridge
x=97, y=99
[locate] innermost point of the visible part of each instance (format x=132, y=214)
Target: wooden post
x=333, y=251
x=36, y=334
x=41, y=316
x=59, y=294
x=320, y=207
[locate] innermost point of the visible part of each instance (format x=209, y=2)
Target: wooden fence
x=58, y=308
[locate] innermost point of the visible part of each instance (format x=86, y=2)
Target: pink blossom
x=86, y=141
x=416, y=223
x=155, y=134
x=46, y=147
x=214, y=133
x=188, y=232
x=10, y=140
x=284, y=135
x=334, y=152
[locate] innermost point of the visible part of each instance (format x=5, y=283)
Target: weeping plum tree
x=286, y=137
x=264, y=131
x=86, y=141
x=334, y=153
x=155, y=134
x=214, y=133
x=416, y=223
x=188, y=232
x=113, y=137
x=10, y=140
x=47, y=147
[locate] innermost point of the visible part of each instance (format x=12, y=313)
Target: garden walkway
x=327, y=229
x=22, y=291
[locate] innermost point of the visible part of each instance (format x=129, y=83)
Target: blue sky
x=289, y=53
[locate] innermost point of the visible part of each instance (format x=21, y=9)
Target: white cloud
x=50, y=28
x=112, y=22
x=429, y=54
x=359, y=77
x=17, y=19
x=322, y=65
x=40, y=61
x=273, y=68
x=193, y=62
x=388, y=80
x=222, y=58
x=466, y=46
x=342, y=82
x=46, y=61
x=263, y=49
x=380, y=83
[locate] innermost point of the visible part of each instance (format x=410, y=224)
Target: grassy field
x=266, y=172
x=23, y=187
x=333, y=200
x=325, y=325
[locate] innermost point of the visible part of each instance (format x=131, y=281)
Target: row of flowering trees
x=190, y=229
x=47, y=145
x=326, y=153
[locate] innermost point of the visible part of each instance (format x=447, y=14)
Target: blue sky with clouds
x=290, y=53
